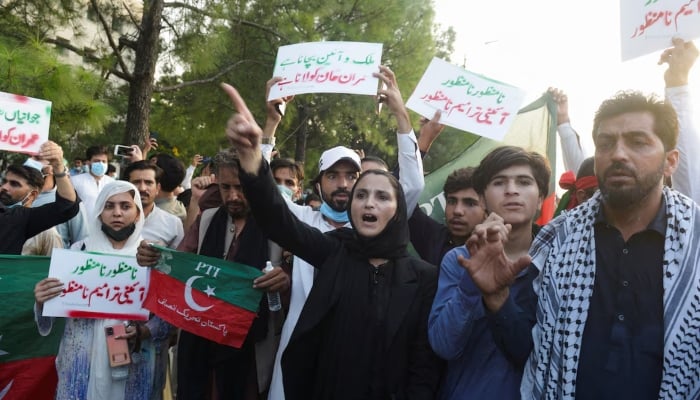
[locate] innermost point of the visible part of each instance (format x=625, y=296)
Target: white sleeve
x=187, y=181
x=572, y=152
x=688, y=142
x=410, y=169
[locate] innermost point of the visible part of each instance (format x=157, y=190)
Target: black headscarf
x=391, y=242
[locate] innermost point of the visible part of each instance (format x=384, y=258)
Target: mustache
x=618, y=167
x=340, y=191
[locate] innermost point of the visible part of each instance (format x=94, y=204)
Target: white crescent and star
x=188, y=294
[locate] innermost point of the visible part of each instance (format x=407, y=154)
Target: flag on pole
x=205, y=296
x=534, y=129
x=27, y=359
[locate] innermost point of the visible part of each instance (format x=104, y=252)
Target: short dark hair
x=279, y=163
x=140, y=166
x=96, y=150
x=173, y=172
x=375, y=159
x=458, y=179
x=504, y=157
x=31, y=175
x=311, y=197
x=586, y=168
x=665, y=117
x=111, y=168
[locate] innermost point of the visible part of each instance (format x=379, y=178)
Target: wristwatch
x=268, y=140
x=60, y=174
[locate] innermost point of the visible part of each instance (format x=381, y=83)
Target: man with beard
x=159, y=225
x=339, y=168
x=228, y=232
x=17, y=223
x=618, y=290
x=21, y=186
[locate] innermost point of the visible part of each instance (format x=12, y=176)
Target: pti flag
x=27, y=360
x=208, y=297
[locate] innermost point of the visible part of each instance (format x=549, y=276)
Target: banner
x=27, y=359
x=206, y=296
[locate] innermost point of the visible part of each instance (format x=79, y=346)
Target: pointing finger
x=237, y=101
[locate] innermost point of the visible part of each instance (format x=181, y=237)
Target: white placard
x=468, y=101
x=649, y=25
x=24, y=123
x=327, y=67
x=97, y=286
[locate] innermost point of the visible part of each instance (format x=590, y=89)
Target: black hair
x=279, y=163
x=665, y=118
x=458, y=179
x=586, y=168
x=173, y=172
x=504, y=157
x=140, y=166
x=33, y=176
x=377, y=160
x=95, y=151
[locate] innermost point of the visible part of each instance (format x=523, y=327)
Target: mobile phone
x=154, y=135
x=118, y=349
x=281, y=107
x=122, y=151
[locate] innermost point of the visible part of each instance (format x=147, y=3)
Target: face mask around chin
x=286, y=192
x=19, y=203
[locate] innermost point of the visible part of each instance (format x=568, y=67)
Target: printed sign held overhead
x=468, y=101
x=24, y=123
x=327, y=67
x=649, y=25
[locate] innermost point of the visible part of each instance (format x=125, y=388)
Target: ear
x=671, y=162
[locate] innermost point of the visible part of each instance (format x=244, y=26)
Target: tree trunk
x=141, y=87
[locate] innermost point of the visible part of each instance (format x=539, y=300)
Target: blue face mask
x=98, y=168
x=286, y=192
x=337, y=216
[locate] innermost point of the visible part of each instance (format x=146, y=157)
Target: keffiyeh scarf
x=564, y=252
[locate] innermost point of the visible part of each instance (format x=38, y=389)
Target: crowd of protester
x=380, y=301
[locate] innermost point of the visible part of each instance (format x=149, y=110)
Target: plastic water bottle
x=273, y=298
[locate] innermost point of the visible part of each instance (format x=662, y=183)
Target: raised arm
x=267, y=204
x=572, y=151
x=410, y=162
x=680, y=59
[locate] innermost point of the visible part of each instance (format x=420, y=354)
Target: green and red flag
x=205, y=296
x=534, y=128
x=27, y=359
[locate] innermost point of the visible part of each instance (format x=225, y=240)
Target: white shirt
x=163, y=227
x=88, y=188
